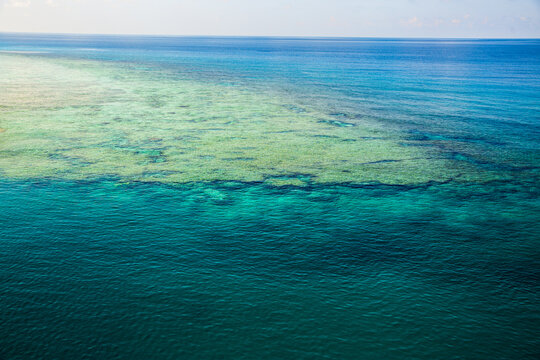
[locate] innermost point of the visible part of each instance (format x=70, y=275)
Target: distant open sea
x=269, y=198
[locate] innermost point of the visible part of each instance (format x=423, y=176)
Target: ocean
x=269, y=198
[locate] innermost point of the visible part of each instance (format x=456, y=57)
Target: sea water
x=279, y=198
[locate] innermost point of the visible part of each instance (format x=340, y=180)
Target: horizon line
x=270, y=36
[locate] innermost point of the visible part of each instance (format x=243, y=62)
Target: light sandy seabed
x=82, y=119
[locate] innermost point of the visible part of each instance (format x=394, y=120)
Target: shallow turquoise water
x=425, y=247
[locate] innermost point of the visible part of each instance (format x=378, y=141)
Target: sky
x=358, y=18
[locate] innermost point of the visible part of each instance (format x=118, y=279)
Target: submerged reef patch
x=83, y=119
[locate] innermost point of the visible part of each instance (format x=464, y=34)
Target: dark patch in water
x=295, y=108
x=240, y=158
x=207, y=157
x=381, y=161
x=155, y=101
x=342, y=115
x=187, y=137
x=326, y=136
x=74, y=161
x=337, y=123
x=153, y=155
x=426, y=136
x=489, y=165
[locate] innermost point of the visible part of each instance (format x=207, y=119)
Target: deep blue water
x=100, y=269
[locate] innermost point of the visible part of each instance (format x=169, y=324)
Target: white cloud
x=414, y=21
x=17, y=3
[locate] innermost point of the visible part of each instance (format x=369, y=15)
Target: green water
x=249, y=271
x=204, y=198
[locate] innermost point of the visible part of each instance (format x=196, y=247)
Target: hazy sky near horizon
x=375, y=18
